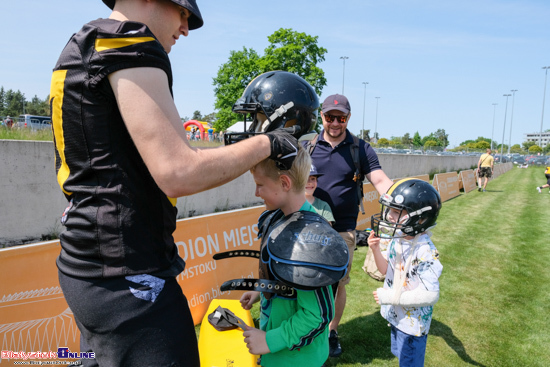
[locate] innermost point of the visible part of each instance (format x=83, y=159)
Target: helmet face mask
x=410, y=207
x=275, y=100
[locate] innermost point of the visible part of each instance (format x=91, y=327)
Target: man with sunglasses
x=333, y=158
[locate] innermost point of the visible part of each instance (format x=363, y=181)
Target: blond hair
x=298, y=173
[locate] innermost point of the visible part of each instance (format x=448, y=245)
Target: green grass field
x=25, y=134
x=494, y=305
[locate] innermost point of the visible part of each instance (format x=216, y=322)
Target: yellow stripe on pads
x=56, y=102
x=102, y=44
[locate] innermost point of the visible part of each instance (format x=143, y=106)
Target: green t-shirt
x=323, y=209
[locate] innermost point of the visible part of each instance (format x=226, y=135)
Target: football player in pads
x=121, y=175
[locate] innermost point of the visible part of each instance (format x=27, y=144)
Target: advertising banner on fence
x=35, y=317
x=198, y=239
x=468, y=180
x=447, y=185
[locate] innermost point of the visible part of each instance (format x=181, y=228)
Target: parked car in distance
x=519, y=160
x=34, y=122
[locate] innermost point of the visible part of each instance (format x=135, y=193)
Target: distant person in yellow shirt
x=547, y=174
x=484, y=169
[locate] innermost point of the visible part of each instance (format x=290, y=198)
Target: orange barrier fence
x=35, y=317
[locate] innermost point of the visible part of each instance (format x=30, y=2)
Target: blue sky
x=435, y=64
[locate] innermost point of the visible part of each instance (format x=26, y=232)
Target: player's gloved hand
x=284, y=146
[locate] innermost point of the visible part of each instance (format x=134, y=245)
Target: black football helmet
x=276, y=99
x=418, y=198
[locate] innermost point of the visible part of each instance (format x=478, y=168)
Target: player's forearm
x=204, y=169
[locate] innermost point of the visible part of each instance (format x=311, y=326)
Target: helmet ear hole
x=291, y=123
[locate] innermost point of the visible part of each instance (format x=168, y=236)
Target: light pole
x=543, y=98
x=376, y=121
x=364, y=101
x=503, y=129
x=511, y=119
x=493, y=133
x=344, y=71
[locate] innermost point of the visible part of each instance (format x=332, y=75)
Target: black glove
x=284, y=147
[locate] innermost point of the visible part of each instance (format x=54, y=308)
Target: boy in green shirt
x=293, y=329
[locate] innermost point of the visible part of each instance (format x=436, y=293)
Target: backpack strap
x=358, y=176
x=311, y=144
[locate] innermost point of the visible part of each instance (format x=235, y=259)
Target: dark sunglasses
x=340, y=119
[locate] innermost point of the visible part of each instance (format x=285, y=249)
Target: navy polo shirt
x=336, y=185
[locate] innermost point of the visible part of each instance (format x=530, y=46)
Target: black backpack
x=358, y=176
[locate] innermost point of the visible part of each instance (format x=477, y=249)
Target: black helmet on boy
x=274, y=100
x=418, y=198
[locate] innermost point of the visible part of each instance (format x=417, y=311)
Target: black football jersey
x=118, y=221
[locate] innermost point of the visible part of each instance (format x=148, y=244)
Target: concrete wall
x=406, y=165
x=31, y=202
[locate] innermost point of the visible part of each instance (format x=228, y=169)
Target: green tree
x=297, y=53
x=417, y=140
x=406, y=139
x=13, y=103
x=516, y=148
x=38, y=106
x=395, y=140
x=482, y=145
x=479, y=139
x=441, y=138
x=288, y=51
x=430, y=144
x=210, y=117
x=197, y=116
x=364, y=134
x=230, y=83
x=427, y=138
x=2, y=101
x=383, y=142
x=535, y=149
x=528, y=144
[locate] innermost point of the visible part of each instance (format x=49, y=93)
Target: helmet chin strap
x=280, y=111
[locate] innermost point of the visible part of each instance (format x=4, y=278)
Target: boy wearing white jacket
x=412, y=269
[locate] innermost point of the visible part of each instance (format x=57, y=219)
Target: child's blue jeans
x=408, y=348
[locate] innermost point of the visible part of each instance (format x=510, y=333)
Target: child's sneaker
x=538, y=189
x=335, y=350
